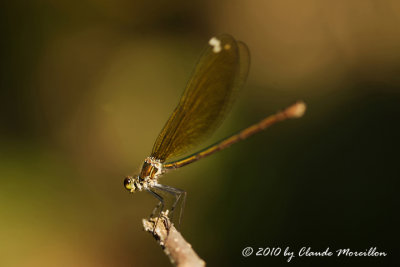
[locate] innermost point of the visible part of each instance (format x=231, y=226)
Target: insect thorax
x=152, y=169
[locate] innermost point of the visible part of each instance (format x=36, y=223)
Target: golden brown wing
x=220, y=73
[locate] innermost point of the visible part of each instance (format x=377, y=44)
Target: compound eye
x=128, y=183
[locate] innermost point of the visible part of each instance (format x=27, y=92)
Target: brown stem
x=179, y=251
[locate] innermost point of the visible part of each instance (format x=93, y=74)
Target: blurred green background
x=87, y=85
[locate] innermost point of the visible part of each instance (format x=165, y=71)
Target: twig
x=179, y=251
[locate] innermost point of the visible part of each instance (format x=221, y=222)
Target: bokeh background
x=87, y=85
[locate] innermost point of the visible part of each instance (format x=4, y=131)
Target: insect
x=213, y=86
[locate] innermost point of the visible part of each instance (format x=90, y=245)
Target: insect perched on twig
x=218, y=76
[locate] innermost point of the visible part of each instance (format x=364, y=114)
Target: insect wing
x=218, y=76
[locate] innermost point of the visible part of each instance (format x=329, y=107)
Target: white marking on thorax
x=156, y=163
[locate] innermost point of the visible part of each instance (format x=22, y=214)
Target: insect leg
x=177, y=193
x=160, y=204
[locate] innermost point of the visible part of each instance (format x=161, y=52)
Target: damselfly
x=217, y=78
